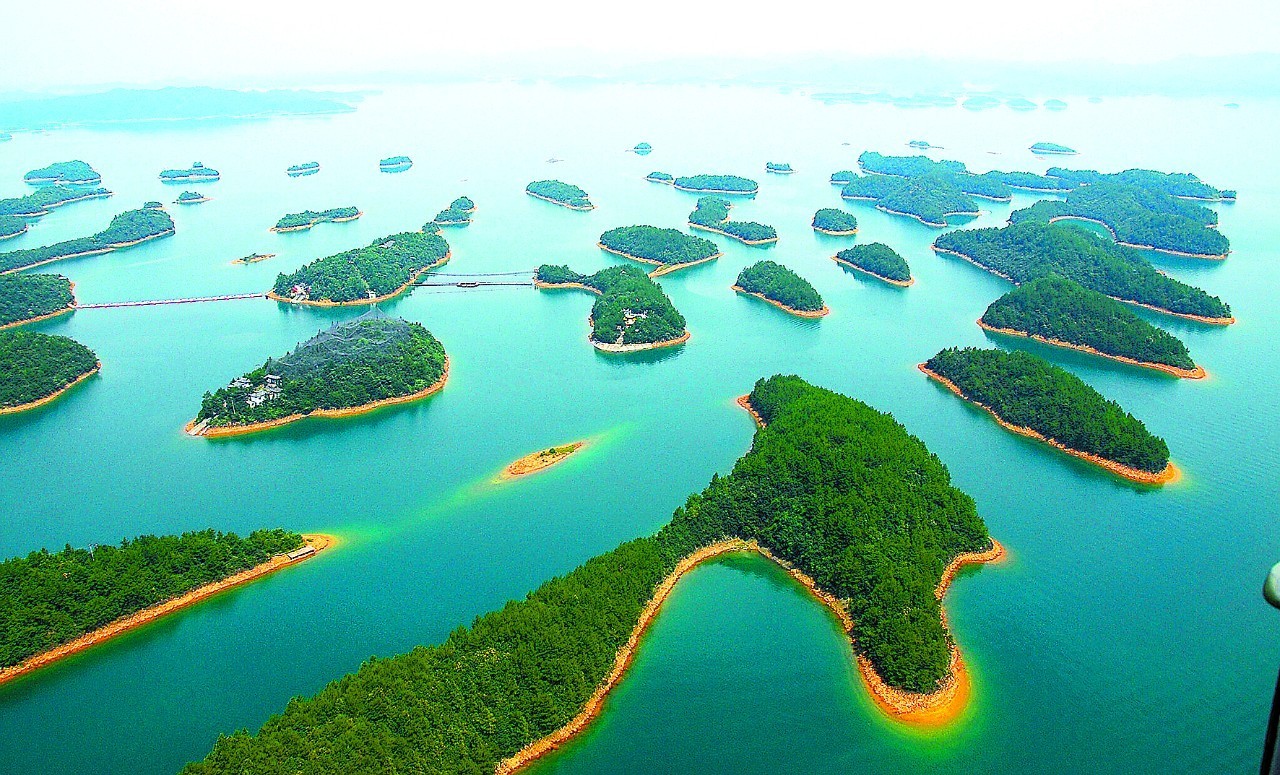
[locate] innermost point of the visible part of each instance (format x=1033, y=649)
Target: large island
x=40, y=367
x=382, y=270
x=560, y=193
x=632, y=313
x=351, y=368
x=712, y=214
x=41, y=201
x=781, y=287
x=716, y=184
x=930, y=199
x=667, y=249
x=857, y=509
x=27, y=297
x=308, y=218
x=132, y=227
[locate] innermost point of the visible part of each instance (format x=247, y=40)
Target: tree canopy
x=308, y=218
x=834, y=220
x=385, y=266
x=127, y=227
x=879, y=259
x=632, y=308
x=38, y=365
x=26, y=296
x=712, y=213
x=70, y=172
x=561, y=193
x=657, y=245
x=778, y=283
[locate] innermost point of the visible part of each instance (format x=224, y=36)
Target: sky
x=79, y=43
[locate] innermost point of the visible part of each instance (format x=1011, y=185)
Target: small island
x=1052, y=149
x=661, y=177
x=878, y=260
x=39, y=368
x=668, y=249
x=382, y=270
x=253, y=258
x=458, y=213
x=923, y=145
x=778, y=168
x=153, y=205
x=196, y=172
x=71, y=173
x=781, y=287
x=27, y=297
x=12, y=226
x=717, y=184
x=353, y=367
x=1030, y=396
x=190, y=198
x=642, y=149
x=61, y=603
x=557, y=192
x=541, y=460
x=1025, y=251
x=127, y=229
x=632, y=313
x=305, y=168
x=834, y=222
x=309, y=218
x=395, y=164
x=43, y=200
x=1063, y=313
x=712, y=214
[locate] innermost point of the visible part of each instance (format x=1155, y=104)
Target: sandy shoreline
x=373, y=300
x=1153, y=248
x=305, y=226
x=565, y=205
x=1197, y=373
x=26, y=227
x=935, y=225
x=1169, y=474
x=540, y=460
x=46, y=316
x=907, y=283
x=711, y=191
x=743, y=240
x=95, y=252
x=831, y=233
x=661, y=267
x=120, y=626
x=613, y=347
x=198, y=428
x=800, y=313
x=54, y=395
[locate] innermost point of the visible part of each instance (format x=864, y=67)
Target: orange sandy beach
x=541, y=460
x=900, y=283
x=318, y=541
x=714, y=230
x=1114, y=236
x=373, y=300
x=565, y=205
x=195, y=428
x=830, y=233
x=1197, y=373
x=69, y=308
x=613, y=347
x=52, y=396
x=1170, y=474
x=662, y=268
x=800, y=313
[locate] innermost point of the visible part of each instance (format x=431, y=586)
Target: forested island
x=642, y=149
x=1061, y=312
x=1137, y=217
x=395, y=164
x=834, y=222
x=778, y=168
x=541, y=460
x=716, y=184
x=379, y=271
x=59, y=603
x=987, y=185
x=632, y=312
x=1052, y=148
x=857, y=508
x=191, y=198
x=878, y=260
x=12, y=226
x=929, y=199
x=668, y=249
x=1032, y=397
x=1183, y=185
x=782, y=288
x=712, y=214
x=27, y=297
x=308, y=218
x=152, y=204
x=660, y=177
x=921, y=144
x=560, y=193
x=352, y=367
x=253, y=258
x=1026, y=251
x=1029, y=181
x=42, y=200
x=40, y=367
x=127, y=229
x=73, y=173
x=458, y=213
x=196, y=171
x=305, y=168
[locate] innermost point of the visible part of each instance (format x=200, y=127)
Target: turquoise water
x=1125, y=634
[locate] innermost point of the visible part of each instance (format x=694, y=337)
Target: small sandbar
x=540, y=460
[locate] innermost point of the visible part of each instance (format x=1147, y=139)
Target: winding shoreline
x=1153, y=248
x=921, y=219
x=95, y=252
x=800, y=313
x=1169, y=474
x=26, y=227
x=743, y=240
x=662, y=268
x=51, y=397
x=1197, y=373
x=69, y=308
x=271, y=294
x=318, y=541
x=565, y=205
x=199, y=428
x=540, y=460
x=302, y=226
x=907, y=283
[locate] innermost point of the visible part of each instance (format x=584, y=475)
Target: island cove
x=667, y=249
x=382, y=270
x=632, y=313
x=127, y=229
x=802, y=509
x=352, y=368
x=712, y=214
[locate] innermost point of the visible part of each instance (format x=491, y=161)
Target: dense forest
x=988, y=185
x=838, y=489
x=305, y=168
x=835, y=221
x=1182, y=184
x=354, y=363
x=308, y=218
x=929, y=198
x=71, y=172
x=631, y=309
x=196, y=171
x=1137, y=216
x=382, y=267
x=1029, y=392
x=1029, y=250
x=712, y=214
x=1057, y=308
x=662, y=246
x=396, y=161
x=38, y=365
x=778, y=283
x=723, y=184
x=26, y=296
x=878, y=259
x=42, y=200
x=458, y=213
x=660, y=177
x=190, y=197
x=129, y=226
x=50, y=598
x=1031, y=181
x=11, y=226
x=561, y=193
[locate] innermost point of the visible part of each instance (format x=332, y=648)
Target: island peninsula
x=27, y=297
x=132, y=227
x=667, y=249
x=382, y=270
x=632, y=313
